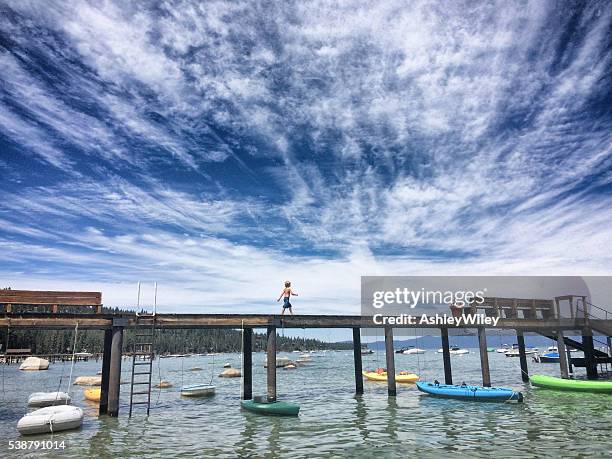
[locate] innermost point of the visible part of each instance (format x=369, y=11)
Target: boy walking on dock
x=286, y=295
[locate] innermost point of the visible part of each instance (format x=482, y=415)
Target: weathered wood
x=247, y=364
x=446, y=357
x=520, y=339
x=50, y=298
x=484, y=357
x=390, y=357
x=106, y=358
x=562, y=354
x=114, y=378
x=357, y=360
x=271, y=370
x=589, y=358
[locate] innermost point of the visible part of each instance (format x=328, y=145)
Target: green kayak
x=550, y=382
x=271, y=408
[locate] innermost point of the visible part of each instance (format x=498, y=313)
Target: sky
x=219, y=148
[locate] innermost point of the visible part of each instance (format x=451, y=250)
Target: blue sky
x=219, y=148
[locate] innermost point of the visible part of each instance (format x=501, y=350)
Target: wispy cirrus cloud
x=241, y=142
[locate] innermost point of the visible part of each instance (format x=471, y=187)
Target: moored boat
x=576, y=385
x=50, y=420
x=198, y=390
x=455, y=350
x=42, y=399
x=414, y=350
x=548, y=357
x=261, y=406
x=475, y=393
x=401, y=377
x=93, y=394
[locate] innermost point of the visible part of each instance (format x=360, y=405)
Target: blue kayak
x=475, y=393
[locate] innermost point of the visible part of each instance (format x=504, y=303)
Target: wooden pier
x=520, y=315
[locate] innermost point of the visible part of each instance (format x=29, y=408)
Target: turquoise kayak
x=475, y=393
x=550, y=382
x=271, y=408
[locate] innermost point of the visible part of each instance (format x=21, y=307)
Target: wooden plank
x=357, y=361
x=484, y=357
x=390, y=357
x=446, y=358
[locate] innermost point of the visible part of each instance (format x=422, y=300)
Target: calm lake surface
x=332, y=421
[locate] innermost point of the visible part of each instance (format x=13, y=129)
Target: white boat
x=42, y=399
x=515, y=352
x=505, y=348
x=553, y=349
x=51, y=419
x=34, y=364
x=305, y=357
x=197, y=390
x=414, y=350
x=455, y=350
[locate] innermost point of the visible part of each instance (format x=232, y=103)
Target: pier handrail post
x=448, y=372
x=114, y=378
x=271, y=359
x=520, y=339
x=247, y=364
x=390, y=357
x=104, y=385
x=484, y=357
x=562, y=355
x=357, y=360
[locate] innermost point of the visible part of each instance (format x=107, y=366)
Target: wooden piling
x=520, y=339
x=106, y=358
x=562, y=355
x=357, y=360
x=484, y=357
x=589, y=357
x=114, y=377
x=247, y=364
x=448, y=372
x=390, y=356
x=271, y=349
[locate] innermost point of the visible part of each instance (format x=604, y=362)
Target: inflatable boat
x=402, y=377
x=92, y=394
x=42, y=399
x=475, y=393
x=197, y=390
x=50, y=420
x=260, y=406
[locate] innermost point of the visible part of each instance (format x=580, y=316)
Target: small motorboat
x=547, y=357
x=42, y=399
x=367, y=351
x=455, y=350
x=505, y=348
x=50, y=420
x=401, y=377
x=198, y=390
x=516, y=353
x=472, y=393
x=92, y=394
x=577, y=385
x=414, y=350
x=261, y=406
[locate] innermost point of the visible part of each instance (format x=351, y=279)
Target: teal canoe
x=577, y=385
x=475, y=393
x=271, y=408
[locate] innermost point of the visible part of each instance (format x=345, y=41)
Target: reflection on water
x=333, y=421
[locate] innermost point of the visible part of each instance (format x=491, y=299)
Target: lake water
x=332, y=421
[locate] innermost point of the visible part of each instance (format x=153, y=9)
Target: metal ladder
x=142, y=361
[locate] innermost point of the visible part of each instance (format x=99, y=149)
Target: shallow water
x=332, y=421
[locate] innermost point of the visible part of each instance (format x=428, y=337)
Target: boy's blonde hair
x=287, y=283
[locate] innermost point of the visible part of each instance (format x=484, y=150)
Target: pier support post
x=114, y=376
x=357, y=359
x=562, y=355
x=247, y=364
x=271, y=359
x=484, y=357
x=520, y=339
x=106, y=358
x=390, y=356
x=446, y=358
x=589, y=357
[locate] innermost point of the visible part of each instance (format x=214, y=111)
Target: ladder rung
x=140, y=403
x=143, y=344
x=144, y=334
x=140, y=382
x=146, y=392
x=148, y=362
x=142, y=373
